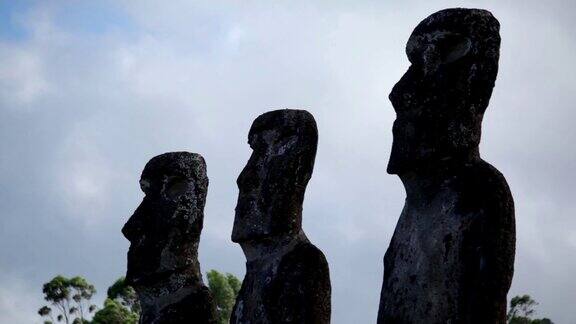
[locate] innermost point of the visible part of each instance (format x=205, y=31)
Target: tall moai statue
x=164, y=233
x=452, y=254
x=287, y=278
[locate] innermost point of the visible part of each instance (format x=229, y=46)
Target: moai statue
x=164, y=233
x=452, y=254
x=287, y=278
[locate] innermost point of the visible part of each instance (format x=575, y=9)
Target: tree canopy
x=69, y=298
x=124, y=294
x=522, y=308
x=69, y=302
x=225, y=288
x=115, y=313
x=120, y=307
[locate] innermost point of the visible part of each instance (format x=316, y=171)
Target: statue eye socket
x=452, y=47
x=176, y=187
x=286, y=144
x=437, y=47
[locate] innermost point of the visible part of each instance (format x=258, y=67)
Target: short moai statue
x=451, y=257
x=287, y=278
x=164, y=233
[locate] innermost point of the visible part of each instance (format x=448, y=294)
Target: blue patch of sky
x=80, y=17
x=94, y=17
x=10, y=28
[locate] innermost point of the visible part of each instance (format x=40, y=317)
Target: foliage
x=82, y=292
x=224, y=289
x=522, y=310
x=234, y=283
x=115, y=313
x=125, y=295
x=121, y=306
x=46, y=311
x=69, y=298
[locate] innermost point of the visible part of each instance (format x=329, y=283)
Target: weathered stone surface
x=452, y=254
x=164, y=233
x=287, y=278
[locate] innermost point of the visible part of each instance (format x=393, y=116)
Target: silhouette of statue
x=287, y=278
x=164, y=233
x=452, y=254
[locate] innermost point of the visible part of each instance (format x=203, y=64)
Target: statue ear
x=452, y=47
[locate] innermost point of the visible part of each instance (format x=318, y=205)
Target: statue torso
x=449, y=246
x=292, y=287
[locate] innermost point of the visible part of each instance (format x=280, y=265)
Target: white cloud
x=22, y=79
x=18, y=301
x=193, y=75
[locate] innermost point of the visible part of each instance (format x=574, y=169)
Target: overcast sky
x=91, y=90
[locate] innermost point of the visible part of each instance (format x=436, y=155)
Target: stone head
x=164, y=231
x=441, y=99
x=273, y=183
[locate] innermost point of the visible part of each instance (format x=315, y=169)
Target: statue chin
x=400, y=164
x=136, y=277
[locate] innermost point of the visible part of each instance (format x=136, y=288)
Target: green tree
x=120, y=307
x=234, y=283
x=114, y=313
x=69, y=297
x=46, y=311
x=224, y=289
x=82, y=292
x=542, y=321
x=522, y=308
x=125, y=295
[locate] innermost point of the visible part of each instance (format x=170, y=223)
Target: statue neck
x=423, y=183
x=168, y=292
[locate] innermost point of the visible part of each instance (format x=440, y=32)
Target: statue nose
x=129, y=229
x=248, y=178
x=243, y=178
x=132, y=230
